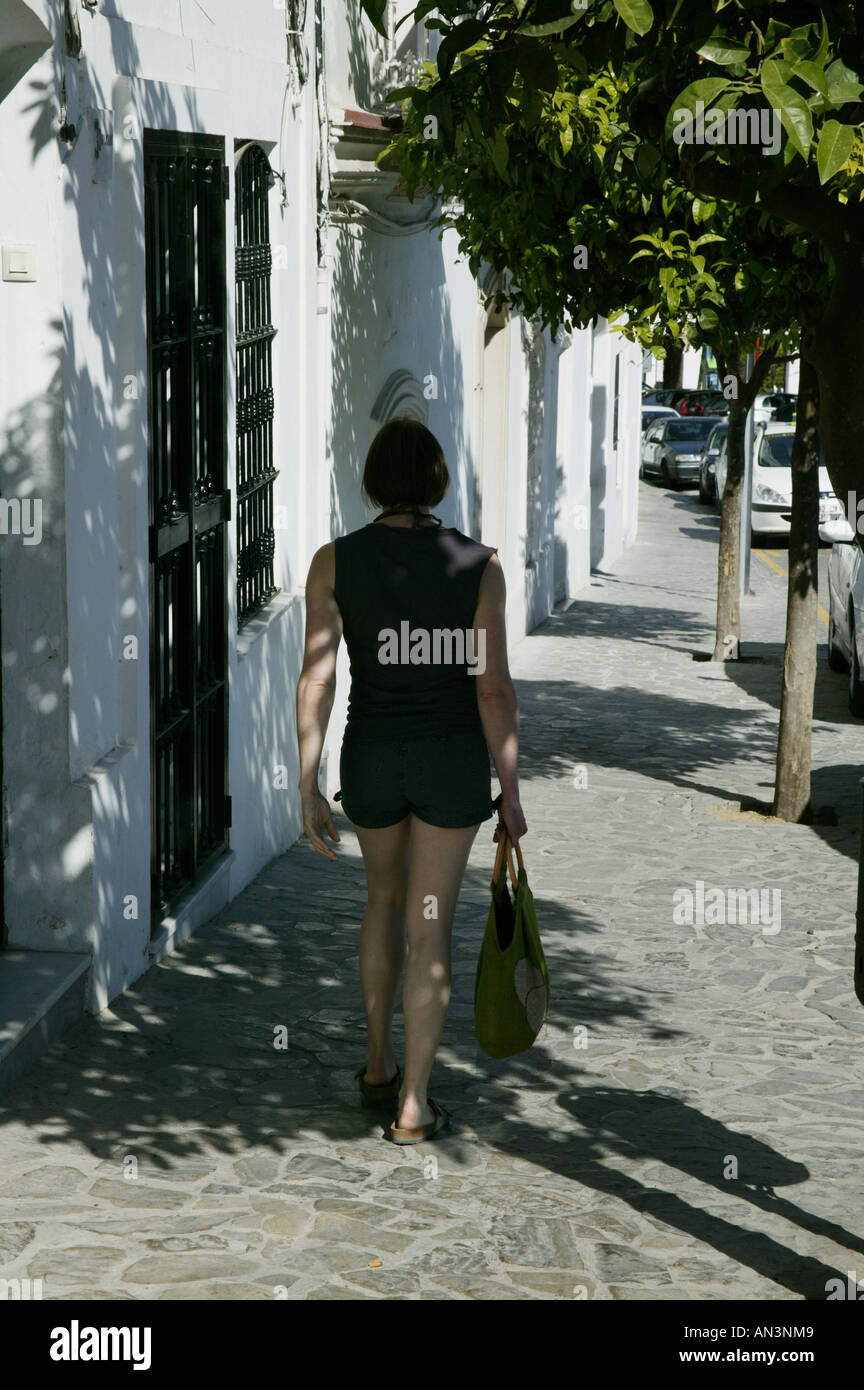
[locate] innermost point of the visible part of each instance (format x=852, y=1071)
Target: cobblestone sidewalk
x=688, y=1126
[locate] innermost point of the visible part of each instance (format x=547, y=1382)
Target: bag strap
x=506, y=847
x=519, y=859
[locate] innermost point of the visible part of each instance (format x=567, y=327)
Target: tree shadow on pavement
x=834, y=787
x=701, y=745
x=674, y=740
x=630, y=622
x=254, y=1024
x=633, y=1125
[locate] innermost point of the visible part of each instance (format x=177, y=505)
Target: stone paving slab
x=688, y=1126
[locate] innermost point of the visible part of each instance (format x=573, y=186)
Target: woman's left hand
x=316, y=819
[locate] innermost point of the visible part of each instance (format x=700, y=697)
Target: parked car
x=650, y=413
x=708, y=461
x=717, y=405
x=787, y=410
x=669, y=396
x=696, y=403
x=846, y=615
x=673, y=448
x=774, y=405
x=771, y=511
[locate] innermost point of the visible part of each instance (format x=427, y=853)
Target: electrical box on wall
x=19, y=262
x=100, y=123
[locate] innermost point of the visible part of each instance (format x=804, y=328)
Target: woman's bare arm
x=496, y=694
x=315, y=691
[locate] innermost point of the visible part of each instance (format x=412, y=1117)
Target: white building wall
x=86, y=316
x=574, y=457
x=48, y=834
x=613, y=489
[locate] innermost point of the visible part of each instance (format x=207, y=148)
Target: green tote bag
x=511, y=989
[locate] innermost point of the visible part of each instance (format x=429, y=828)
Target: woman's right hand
x=316, y=819
x=510, y=812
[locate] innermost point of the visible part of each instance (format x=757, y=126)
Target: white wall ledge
x=256, y=627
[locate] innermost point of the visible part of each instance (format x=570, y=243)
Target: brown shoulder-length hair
x=405, y=464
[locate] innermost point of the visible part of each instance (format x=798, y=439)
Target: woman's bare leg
x=437, y=865
x=382, y=940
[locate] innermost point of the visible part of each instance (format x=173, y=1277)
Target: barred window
x=256, y=538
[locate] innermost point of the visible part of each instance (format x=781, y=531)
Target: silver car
x=708, y=463
x=673, y=448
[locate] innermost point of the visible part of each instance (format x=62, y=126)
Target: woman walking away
x=421, y=607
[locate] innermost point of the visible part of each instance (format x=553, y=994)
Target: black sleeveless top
x=408, y=596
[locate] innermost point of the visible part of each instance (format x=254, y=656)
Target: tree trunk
x=673, y=364
x=792, y=784
x=728, y=635
x=835, y=351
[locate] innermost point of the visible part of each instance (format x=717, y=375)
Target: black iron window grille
x=185, y=189
x=256, y=535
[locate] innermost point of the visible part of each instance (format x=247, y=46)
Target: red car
x=695, y=403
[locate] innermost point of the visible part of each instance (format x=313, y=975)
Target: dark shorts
x=444, y=780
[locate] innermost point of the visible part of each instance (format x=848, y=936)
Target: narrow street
x=689, y=1124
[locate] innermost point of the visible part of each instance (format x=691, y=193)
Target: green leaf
x=793, y=109
x=647, y=159
x=424, y=8
x=811, y=73
x=835, y=146
x=841, y=83
x=775, y=33
x=824, y=43
x=566, y=137
x=375, y=11
x=472, y=120
x=703, y=208
x=723, y=50
x=636, y=14
x=706, y=89
x=555, y=26
x=458, y=39
x=500, y=151
x=797, y=43
x=402, y=93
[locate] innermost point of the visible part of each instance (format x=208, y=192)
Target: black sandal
x=381, y=1094
x=417, y=1136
